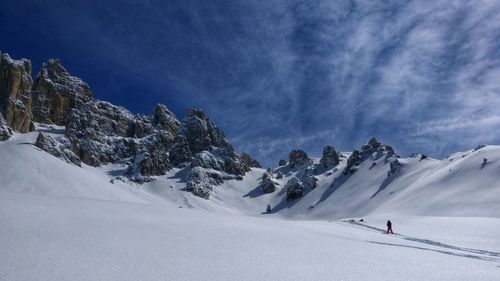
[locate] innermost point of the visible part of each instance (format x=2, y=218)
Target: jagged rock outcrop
x=180, y=152
x=330, y=157
x=267, y=184
x=395, y=166
x=202, y=135
x=202, y=181
x=294, y=189
x=282, y=163
x=15, y=93
x=352, y=162
x=155, y=163
x=56, y=92
x=298, y=158
x=59, y=147
x=101, y=133
x=5, y=131
x=308, y=179
x=98, y=132
x=373, y=149
x=248, y=161
x=164, y=119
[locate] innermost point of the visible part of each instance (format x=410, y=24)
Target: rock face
x=248, y=161
x=15, y=92
x=298, y=158
x=58, y=147
x=330, y=157
x=282, y=163
x=294, y=189
x=5, y=131
x=309, y=179
x=267, y=184
x=98, y=132
x=373, y=149
x=56, y=92
x=395, y=166
x=201, y=135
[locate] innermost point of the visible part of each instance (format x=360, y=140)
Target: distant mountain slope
x=56, y=140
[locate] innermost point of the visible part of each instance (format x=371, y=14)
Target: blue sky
x=422, y=76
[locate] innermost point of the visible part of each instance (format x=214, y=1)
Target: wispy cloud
x=277, y=75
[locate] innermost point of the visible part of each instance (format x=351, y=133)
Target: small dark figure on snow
x=268, y=210
x=389, y=227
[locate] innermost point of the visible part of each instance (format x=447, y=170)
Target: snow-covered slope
x=60, y=222
x=460, y=185
x=64, y=238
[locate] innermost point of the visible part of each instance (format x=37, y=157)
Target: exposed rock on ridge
x=98, y=132
x=15, y=92
x=56, y=92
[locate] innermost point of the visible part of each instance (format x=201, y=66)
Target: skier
x=389, y=227
x=268, y=210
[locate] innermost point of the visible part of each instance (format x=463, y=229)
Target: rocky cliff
x=98, y=132
x=15, y=92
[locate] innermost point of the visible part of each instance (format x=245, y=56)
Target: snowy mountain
x=72, y=126
x=95, y=172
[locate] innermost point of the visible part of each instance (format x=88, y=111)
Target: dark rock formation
x=330, y=157
x=373, y=149
x=298, y=158
x=248, y=161
x=200, y=133
x=59, y=147
x=395, y=166
x=5, y=131
x=267, y=184
x=15, y=92
x=352, y=162
x=180, y=152
x=98, y=132
x=165, y=120
x=282, y=162
x=484, y=163
x=308, y=179
x=294, y=189
x=56, y=92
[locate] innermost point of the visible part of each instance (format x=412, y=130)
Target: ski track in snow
x=461, y=251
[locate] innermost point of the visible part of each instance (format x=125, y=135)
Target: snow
x=64, y=238
x=63, y=222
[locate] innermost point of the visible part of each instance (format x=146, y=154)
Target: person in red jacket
x=389, y=227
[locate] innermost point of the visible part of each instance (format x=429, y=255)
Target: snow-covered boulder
x=309, y=179
x=267, y=184
x=395, y=166
x=298, y=158
x=330, y=157
x=59, y=147
x=294, y=189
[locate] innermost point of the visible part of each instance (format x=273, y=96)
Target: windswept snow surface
x=64, y=238
x=62, y=222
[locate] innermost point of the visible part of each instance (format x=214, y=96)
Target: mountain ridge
x=168, y=157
